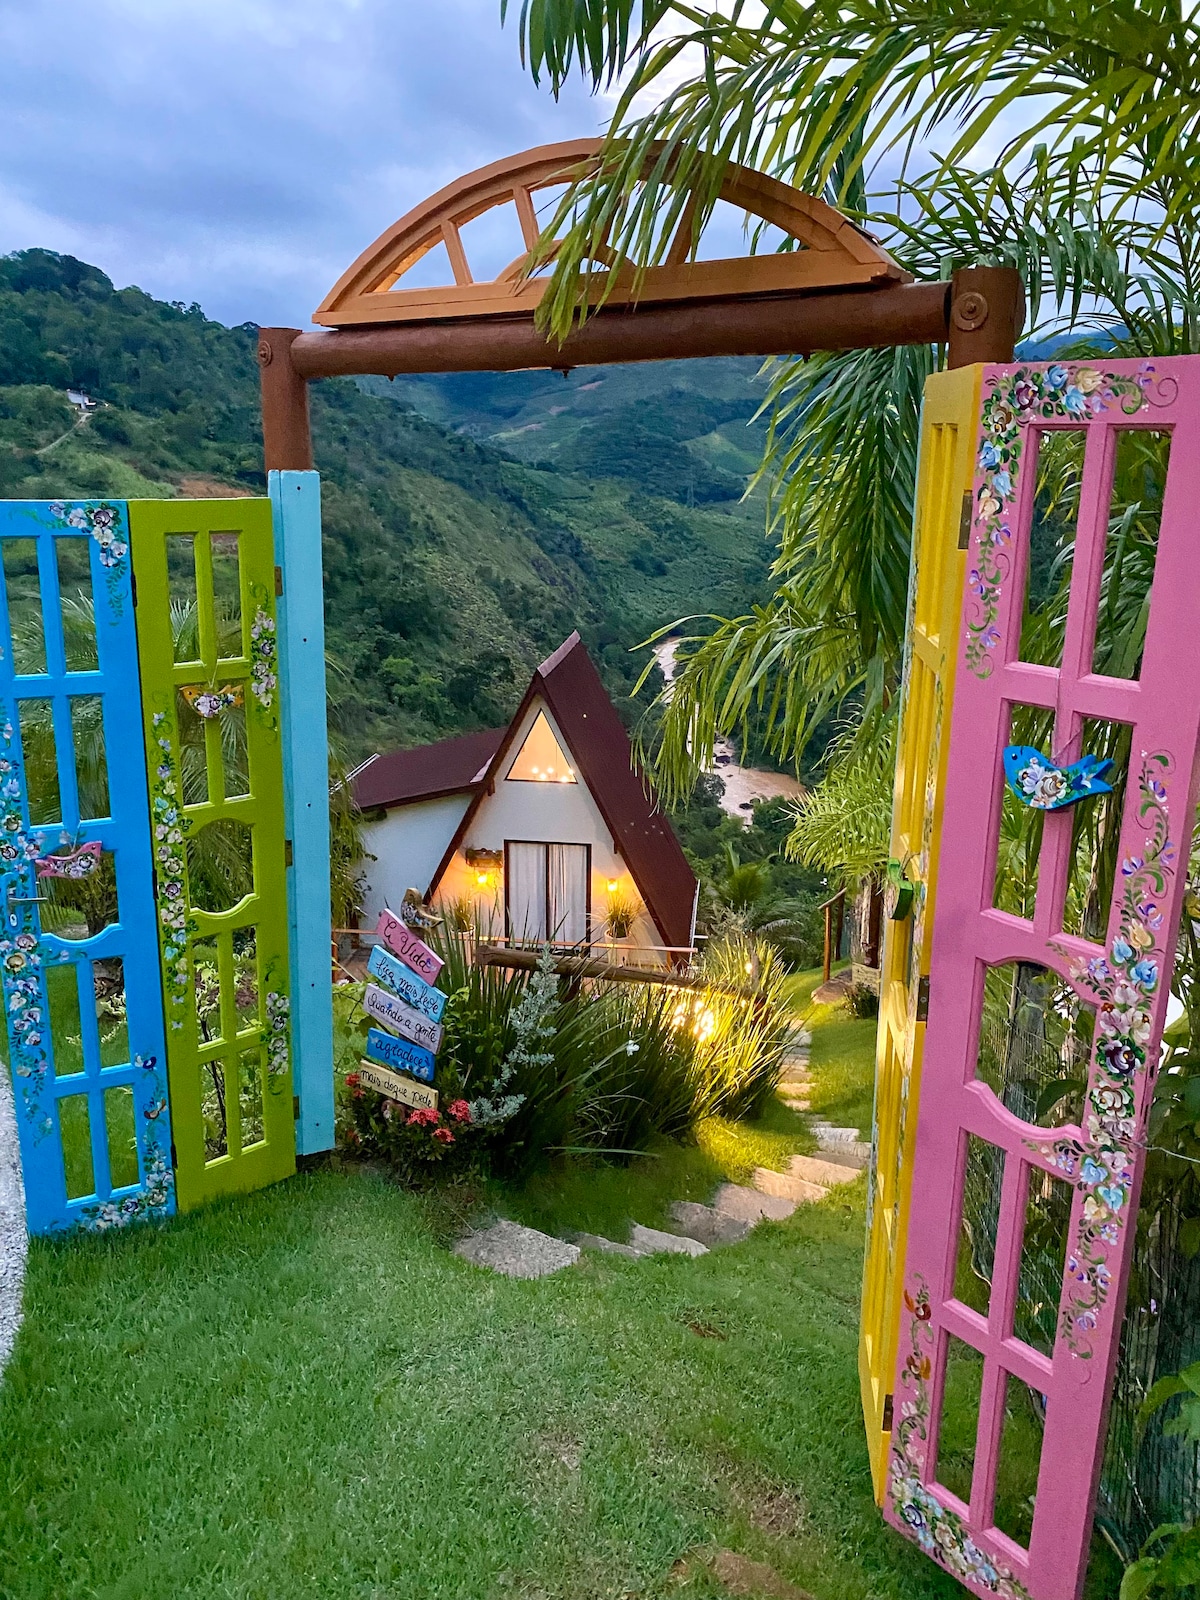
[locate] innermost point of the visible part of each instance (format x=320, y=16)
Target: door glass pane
x=227, y=597
x=80, y=906
x=24, y=604
x=979, y=1217
x=1035, y=1043
x=245, y=974
x=251, y=1097
x=1019, y=845
x=36, y=718
x=1130, y=550
x=108, y=979
x=78, y=607
x=1043, y=1257
x=1020, y=1458
x=212, y=1089
x=959, y=1423
x=235, y=762
x=220, y=864
x=1059, y=469
x=1096, y=832
x=567, y=867
x=526, y=890
x=206, y=983
x=62, y=990
x=91, y=768
x=193, y=763
x=76, y=1129
x=122, y=1140
x=181, y=582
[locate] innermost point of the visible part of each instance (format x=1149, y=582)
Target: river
x=743, y=785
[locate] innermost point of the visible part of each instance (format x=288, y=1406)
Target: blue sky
x=242, y=152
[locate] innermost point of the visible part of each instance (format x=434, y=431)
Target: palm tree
x=1091, y=200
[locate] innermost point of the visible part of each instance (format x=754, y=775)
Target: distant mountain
x=471, y=521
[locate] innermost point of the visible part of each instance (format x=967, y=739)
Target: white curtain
x=568, y=892
x=526, y=887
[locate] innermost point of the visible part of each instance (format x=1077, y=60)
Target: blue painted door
x=80, y=972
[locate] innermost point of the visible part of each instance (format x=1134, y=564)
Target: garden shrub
x=533, y=1064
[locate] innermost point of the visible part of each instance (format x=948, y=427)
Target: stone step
x=597, y=1241
x=826, y=1130
x=856, y=1156
x=706, y=1223
x=826, y=1173
x=787, y=1186
x=795, y=1080
x=652, y=1241
x=516, y=1251
x=800, y=1106
x=751, y=1205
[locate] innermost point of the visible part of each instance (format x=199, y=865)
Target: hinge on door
x=964, y=521
x=278, y=580
x=886, y=1425
x=174, y=1157
x=133, y=586
x=295, y=1108
x=923, y=998
x=287, y=852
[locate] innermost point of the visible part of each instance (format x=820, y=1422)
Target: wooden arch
x=832, y=253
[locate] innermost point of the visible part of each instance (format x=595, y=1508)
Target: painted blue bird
x=1037, y=782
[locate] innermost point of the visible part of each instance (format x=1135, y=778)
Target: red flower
x=444, y=1135
x=459, y=1110
x=423, y=1117
x=352, y=1080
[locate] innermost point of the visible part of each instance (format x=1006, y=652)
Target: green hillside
x=470, y=521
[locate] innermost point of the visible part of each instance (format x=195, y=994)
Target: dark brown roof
x=602, y=756
x=427, y=772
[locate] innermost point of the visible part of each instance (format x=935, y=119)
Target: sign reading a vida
x=403, y=942
x=399, y=1018
x=395, y=1087
x=404, y=982
x=390, y=1052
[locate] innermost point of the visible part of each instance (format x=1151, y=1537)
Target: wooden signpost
x=391, y=1084
x=397, y=1017
x=409, y=1009
x=389, y=1051
x=402, y=980
x=403, y=942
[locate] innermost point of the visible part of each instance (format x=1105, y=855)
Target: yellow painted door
x=944, y=477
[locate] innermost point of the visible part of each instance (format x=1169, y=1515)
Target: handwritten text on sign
x=403, y=942
x=397, y=1088
x=401, y=1019
x=390, y=1052
x=404, y=982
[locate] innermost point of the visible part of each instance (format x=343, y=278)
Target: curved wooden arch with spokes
x=832, y=253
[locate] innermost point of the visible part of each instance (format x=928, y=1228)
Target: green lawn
x=302, y=1393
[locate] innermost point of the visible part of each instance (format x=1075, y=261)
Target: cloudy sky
x=242, y=152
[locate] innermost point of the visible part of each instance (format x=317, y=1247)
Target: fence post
x=296, y=506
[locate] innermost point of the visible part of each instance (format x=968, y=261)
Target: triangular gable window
x=541, y=758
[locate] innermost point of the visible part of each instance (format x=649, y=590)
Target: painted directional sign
x=402, y=980
x=402, y=1019
x=392, y=1052
x=403, y=942
x=397, y=1088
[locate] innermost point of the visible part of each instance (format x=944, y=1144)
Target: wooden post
x=296, y=508
x=841, y=923
x=987, y=312
x=827, y=963
x=287, y=438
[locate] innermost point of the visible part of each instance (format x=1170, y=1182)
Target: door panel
x=1025, y=1188
x=948, y=420
x=80, y=973
x=206, y=632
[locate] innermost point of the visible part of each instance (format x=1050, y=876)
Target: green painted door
x=205, y=598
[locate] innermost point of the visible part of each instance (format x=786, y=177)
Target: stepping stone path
x=736, y=1208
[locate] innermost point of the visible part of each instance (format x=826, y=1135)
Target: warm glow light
x=481, y=878
x=612, y=886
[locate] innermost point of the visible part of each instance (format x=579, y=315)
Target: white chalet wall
x=408, y=845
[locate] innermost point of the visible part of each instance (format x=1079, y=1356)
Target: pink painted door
x=1052, y=953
